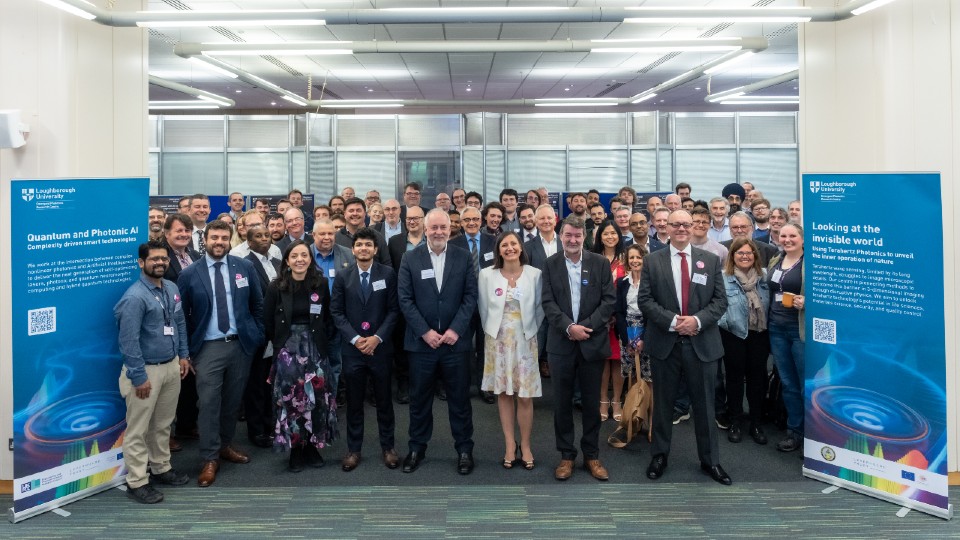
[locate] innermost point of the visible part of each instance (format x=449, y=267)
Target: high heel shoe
x=528, y=465
x=604, y=410
x=617, y=411
x=507, y=463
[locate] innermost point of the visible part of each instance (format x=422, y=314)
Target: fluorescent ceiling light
x=213, y=98
x=728, y=63
x=573, y=103
x=335, y=104
x=661, y=49
x=230, y=24
x=709, y=15
x=716, y=19
x=644, y=98
x=760, y=102
x=870, y=7
x=281, y=52
x=481, y=9
x=69, y=8
x=213, y=68
x=729, y=96
x=182, y=105
x=298, y=101
x=193, y=18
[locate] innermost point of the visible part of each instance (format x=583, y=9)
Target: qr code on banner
x=41, y=321
x=825, y=331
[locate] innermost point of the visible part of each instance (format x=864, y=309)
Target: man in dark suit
x=222, y=341
x=741, y=226
x=437, y=289
x=293, y=220
x=480, y=246
x=578, y=300
x=364, y=308
x=682, y=297
x=258, y=396
x=392, y=223
x=411, y=198
x=411, y=237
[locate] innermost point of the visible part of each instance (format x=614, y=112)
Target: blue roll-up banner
x=72, y=259
x=876, y=401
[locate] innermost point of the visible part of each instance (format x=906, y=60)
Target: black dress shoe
x=465, y=463
x=261, y=441
x=488, y=397
x=412, y=461
x=717, y=473
x=723, y=420
x=657, y=465
x=735, y=434
x=756, y=432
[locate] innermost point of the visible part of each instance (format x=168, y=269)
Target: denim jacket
x=735, y=319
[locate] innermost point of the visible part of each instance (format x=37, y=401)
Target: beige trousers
x=146, y=443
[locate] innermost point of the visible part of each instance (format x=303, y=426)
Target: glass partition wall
x=484, y=152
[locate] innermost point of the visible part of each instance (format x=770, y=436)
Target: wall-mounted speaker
x=11, y=130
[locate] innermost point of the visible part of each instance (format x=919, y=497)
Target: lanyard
x=164, y=305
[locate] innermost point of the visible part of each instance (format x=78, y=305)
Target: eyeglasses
x=740, y=227
x=470, y=220
x=161, y=258
x=414, y=219
x=701, y=222
x=744, y=254
x=681, y=225
x=293, y=220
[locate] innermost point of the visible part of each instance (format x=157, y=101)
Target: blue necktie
x=220, y=291
x=473, y=253
x=365, y=285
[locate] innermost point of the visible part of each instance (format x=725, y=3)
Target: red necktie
x=684, y=283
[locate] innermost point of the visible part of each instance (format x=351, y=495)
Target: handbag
x=637, y=411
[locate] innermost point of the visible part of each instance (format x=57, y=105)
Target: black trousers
x=701, y=377
x=187, y=405
x=565, y=371
x=746, y=359
x=258, y=397
x=358, y=370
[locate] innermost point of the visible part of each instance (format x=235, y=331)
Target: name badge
x=379, y=285
x=168, y=330
x=778, y=297
x=427, y=274
x=488, y=256
x=775, y=277
x=517, y=293
x=242, y=282
x=316, y=309
x=700, y=279
x=177, y=307
x=332, y=273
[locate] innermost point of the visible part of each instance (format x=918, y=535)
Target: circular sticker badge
x=364, y=325
x=314, y=297
x=498, y=292
x=239, y=276
x=700, y=264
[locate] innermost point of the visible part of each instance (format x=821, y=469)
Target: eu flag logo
x=907, y=475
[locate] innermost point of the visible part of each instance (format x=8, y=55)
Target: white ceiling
x=473, y=76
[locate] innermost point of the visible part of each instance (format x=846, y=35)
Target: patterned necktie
x=684, y=283
x=220, y=291
x=365, y=285
x=473, y=252
x=202, y=248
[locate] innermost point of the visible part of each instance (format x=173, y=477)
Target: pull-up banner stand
x=74, y=253
x=875, y=393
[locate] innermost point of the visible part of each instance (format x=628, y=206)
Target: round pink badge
x=699, y=264
x=498, y=292
x=314, y=297
x=364, y=325
x=176, y=298
x=239, y=276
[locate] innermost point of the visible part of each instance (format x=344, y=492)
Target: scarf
x=756, y=317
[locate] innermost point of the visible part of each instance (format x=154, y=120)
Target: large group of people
x=283, y=317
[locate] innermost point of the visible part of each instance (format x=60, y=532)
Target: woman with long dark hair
x=296, y=316
x=609, y=243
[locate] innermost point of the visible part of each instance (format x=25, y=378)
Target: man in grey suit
x=578, y=300
x=437, y=290
x=682, y=297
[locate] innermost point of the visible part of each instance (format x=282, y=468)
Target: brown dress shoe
x=208, y=473
x=564, y=470
x=596, y=469
x=175, y=445
x=350, y=461
x=391, y=459
x=233, y=455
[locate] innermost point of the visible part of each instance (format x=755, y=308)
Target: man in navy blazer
x=682, y=338
x=578, y=300
x=481, y=246
x=364, y=308
x=437, y=289
x=538, y=251
x=223, y=305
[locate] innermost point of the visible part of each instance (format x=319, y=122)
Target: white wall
x=881, y=93
x=82, y=88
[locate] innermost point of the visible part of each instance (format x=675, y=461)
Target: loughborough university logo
x=27, y=194
x=814, y=186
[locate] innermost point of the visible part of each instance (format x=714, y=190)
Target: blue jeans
x=787, y=352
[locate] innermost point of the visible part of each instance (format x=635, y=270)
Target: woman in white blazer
x=511, y=313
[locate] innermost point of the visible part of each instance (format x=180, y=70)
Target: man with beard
x=222, y=342
x=778, y=218
x=638, y=226
x=155, y=218
x=528, y=223
x=153, y=342
x=276, y=227
x=719, y=224
x=734, y=194
x=761, y=219
x=355, y=216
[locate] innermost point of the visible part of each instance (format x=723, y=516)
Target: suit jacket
x=424, y=307
x=261, y=273
x=197, y=291
x=767, y=251
x=486, y=247
x=397, y=246
x=536, y=256
x=492, y=286
x=173, y=271
x=656, y=244
x=379, y=227
x=345, y=239
x=342, y=259
x=658, y=302
x=278, y=315
x=286, y=241
x=596, y=305
x=380, y=310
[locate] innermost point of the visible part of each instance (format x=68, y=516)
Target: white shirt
x=675, y=267
x=574, y=270
x=549, y=248
x=438, y=261
x=267, y=265
x=391, y=231
x=196, y=238
x=243, y=249
x=529, y=235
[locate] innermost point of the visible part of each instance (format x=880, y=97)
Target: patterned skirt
x=303, y=393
